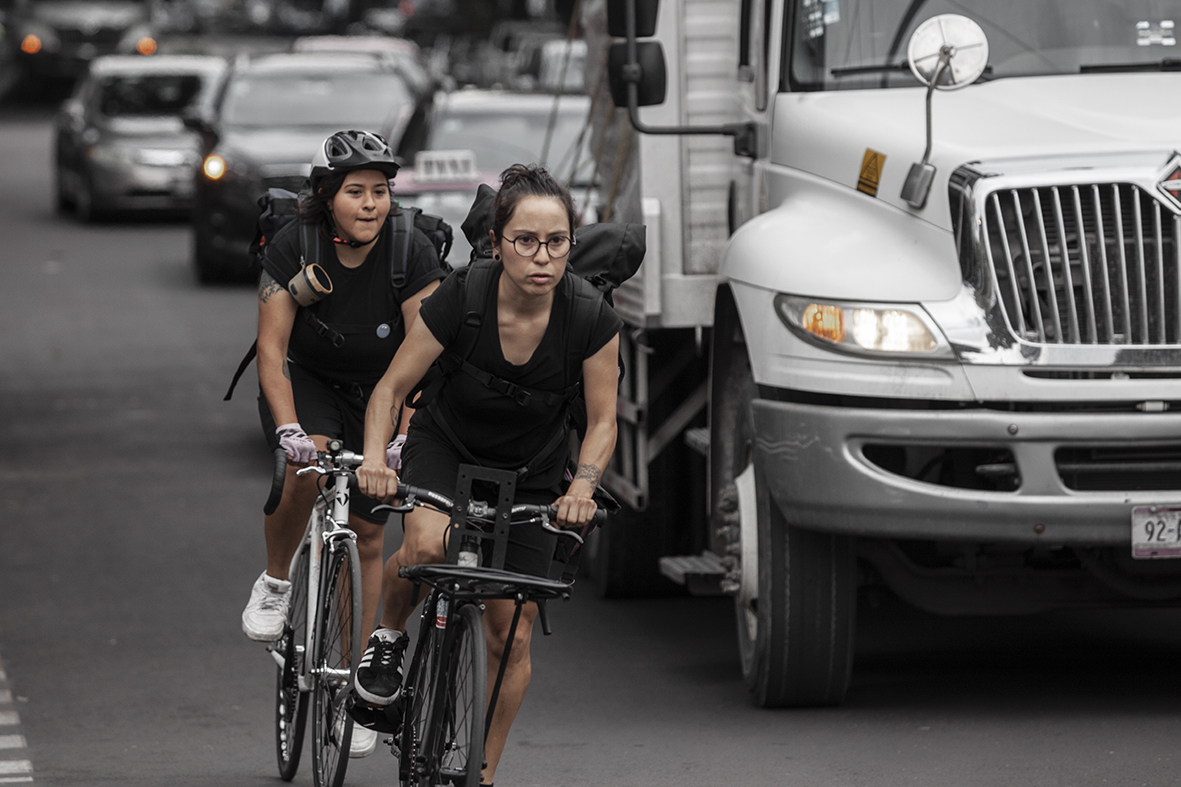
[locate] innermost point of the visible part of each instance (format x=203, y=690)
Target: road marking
x=10, y=767
x=15, y=779
x=9, y=718
x=12, y=742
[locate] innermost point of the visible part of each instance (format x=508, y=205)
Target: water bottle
x=469, y=553
x=441, y=613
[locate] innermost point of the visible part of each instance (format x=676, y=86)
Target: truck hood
x=828, y=134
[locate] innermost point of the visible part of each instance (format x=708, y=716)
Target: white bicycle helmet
x=348, y=150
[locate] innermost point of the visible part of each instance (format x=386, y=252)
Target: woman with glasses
x=524, y=343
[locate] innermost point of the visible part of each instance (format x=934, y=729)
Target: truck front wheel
x=801, y=648
x=794, y=589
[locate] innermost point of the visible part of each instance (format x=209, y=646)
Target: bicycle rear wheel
x=291, y=706
x=338, y=651
x=454, y=741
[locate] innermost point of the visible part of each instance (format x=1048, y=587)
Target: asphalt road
x=131, y=533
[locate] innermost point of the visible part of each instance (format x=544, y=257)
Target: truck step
x=701, y=575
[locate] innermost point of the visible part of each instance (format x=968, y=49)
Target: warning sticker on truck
x=871, y=172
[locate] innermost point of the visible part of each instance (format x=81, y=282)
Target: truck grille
x=1086, y=264
x=1119, y=469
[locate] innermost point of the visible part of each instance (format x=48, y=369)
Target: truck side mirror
x=651, y=79
x=631, y=61
x=646, y=11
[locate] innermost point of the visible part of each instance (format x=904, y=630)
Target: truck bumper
x=812, y=459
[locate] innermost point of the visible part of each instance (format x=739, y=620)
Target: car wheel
x=208, y=264
x=85, y=208
x=63, y=199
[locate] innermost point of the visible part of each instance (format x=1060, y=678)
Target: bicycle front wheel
x=338, y=651
x=453, y=746
x=291, y=707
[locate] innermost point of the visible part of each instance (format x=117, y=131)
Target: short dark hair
x=524, y=180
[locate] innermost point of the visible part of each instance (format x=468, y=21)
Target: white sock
x=389, y=635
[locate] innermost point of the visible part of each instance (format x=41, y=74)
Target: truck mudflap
x=1030, y=477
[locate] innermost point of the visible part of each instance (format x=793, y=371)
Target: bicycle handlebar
x=331, y=462
x=416, y=496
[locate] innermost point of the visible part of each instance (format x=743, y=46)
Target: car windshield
x=843, y=44
x=147, y=94
x=503, y=137
x=344, y=100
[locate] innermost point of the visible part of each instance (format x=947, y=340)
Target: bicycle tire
x=416, y=692
x=291, y=706
x=338, y=652
x=453, y=748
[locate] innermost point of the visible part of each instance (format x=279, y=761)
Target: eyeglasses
x=527, y=245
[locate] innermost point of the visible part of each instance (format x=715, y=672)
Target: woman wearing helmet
x=317, y=364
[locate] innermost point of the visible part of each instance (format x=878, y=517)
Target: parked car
x=120, y=143
x=270, y=116
x=59, y=38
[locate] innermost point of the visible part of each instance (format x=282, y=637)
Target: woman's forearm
x=276, y=385
x=593, y=457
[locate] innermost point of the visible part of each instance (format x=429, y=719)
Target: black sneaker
x=379, y=678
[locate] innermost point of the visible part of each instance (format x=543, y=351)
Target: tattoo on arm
x=267, y=286
x=589, y=473
x=286, y=370
x=396, y=418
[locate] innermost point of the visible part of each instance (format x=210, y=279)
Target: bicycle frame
x=322, y=530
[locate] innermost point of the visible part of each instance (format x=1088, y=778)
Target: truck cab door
x=760, y=22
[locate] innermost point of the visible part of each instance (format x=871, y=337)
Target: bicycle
x=326, y=570
x=444, y=707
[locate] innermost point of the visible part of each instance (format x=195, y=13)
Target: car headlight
x=863, y=328
x=214, y=167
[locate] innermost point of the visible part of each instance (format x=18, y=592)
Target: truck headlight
x=863, y=328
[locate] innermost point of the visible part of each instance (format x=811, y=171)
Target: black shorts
x=430, y=461
x=335, y=411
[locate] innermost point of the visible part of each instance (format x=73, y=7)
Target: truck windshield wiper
x=848, y=71
x=1166, y=64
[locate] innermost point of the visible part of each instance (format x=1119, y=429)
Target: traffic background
x=131, y=533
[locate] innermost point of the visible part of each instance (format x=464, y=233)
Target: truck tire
x=802, y=649
x=795, y=608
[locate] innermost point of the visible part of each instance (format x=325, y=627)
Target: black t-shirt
x=363, y=307
x=496, y=429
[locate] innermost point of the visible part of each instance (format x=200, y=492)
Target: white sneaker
x=364, y=742
x=265, y=613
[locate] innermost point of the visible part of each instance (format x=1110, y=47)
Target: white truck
x=885, y=337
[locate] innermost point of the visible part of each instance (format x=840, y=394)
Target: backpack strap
x=246, y=359
x=400, y=247
x=585, y=302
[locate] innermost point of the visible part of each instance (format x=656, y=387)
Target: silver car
x=121, y=144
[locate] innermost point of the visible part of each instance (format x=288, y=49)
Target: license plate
x=1156, y=532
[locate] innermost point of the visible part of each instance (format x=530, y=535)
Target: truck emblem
x=1170, y=183
x=871, y=172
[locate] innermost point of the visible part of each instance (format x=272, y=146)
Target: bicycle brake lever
x=311, y=469
x=405, y=507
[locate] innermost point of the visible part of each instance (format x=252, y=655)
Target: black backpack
x=604, y=256
x=277, y=210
